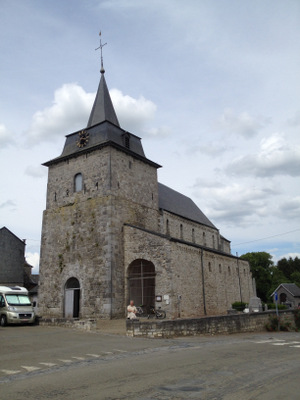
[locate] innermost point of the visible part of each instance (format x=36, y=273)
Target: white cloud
x=157, y=132
x=36, y=171
x=234, y=204
x=8, y=203
x=34, y=260
x=69, y=112
x=275, y=157
x=132, y=113
x=241, y=124
x=210, y=149
x=295, y=120
x=71, y=108
x=290, y=208
x=5, y=137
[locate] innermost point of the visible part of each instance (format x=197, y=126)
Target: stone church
x=111, y=232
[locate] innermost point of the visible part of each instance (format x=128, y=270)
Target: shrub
x=275, y=323
x=297, y=319
x=239, y=305
x=272, y=306
x=272, y=325
x=285, y=326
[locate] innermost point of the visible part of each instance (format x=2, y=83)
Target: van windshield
x=18, y=300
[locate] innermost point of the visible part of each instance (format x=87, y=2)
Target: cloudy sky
x=211, y=86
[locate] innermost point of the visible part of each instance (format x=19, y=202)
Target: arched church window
x=72, y=283
x=181, y=231
x=193, y=235
x=209, y=267
x=141, y=277
x=78, y=182
x=167, y=227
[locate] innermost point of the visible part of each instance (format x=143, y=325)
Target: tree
x=295, y=278
x=278, y=277
x=289, y=266
x=260, y=266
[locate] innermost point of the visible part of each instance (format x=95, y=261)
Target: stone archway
x=141, y=282
x=72, y=298
x=282, y=298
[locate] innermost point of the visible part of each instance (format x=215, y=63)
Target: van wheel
x=3, y=320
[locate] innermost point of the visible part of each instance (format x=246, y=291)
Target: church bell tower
x=101, y=181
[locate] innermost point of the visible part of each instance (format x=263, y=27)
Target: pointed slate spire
x=103, y=109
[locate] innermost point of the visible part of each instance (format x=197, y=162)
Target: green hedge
x=272, y=306
x=239, y=305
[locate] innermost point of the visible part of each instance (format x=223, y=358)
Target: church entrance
x=72, y=297
x=141, y=278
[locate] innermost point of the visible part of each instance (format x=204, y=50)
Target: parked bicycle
x=150, y=312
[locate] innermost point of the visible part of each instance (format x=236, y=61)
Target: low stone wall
x=82, y=324
x=254, y=322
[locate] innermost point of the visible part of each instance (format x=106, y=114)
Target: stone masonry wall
x=104, y=171
x=89, y=235
x=179, y=269
x=193, y=232
x=12, y=259
x=226, y=324
x=82, y=231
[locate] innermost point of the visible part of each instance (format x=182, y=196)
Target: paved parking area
x=51, y=362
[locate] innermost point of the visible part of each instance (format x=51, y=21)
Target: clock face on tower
x=83, y=138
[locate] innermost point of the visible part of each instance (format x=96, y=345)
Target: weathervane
x=102, y=70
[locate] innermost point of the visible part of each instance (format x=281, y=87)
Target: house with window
x=14, y=269
x=111, y=233
x=288, y=294
x=12, y=258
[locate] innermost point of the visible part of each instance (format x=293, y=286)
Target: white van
x=15, y=306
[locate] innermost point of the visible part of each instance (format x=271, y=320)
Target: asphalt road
x=57, y=363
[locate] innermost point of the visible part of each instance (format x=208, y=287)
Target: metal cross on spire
x=102, y=70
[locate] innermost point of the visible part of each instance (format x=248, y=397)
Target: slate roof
x=292, y=288
x=103, y=109
x=6, y=232
x=103, y=129
x=181, y=205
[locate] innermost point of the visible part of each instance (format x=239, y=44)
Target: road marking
x=283, y=344
x=120, y=351
x=29, y=368
x=93, y=355
x=296, y=346
x=48, y=364
x=9, y=371
x=269, y=341
x=79, y=358
x=107, y=352
x=66, y=361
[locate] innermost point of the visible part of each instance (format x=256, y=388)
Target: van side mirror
x=34, y=304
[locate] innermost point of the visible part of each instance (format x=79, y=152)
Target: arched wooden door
x=141, y=277
x=72, y=298
x=282, y=298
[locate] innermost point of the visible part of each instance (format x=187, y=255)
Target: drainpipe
x=238, y=269
x=203, y=283
x=110, y=237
